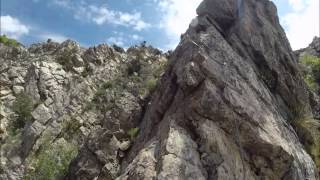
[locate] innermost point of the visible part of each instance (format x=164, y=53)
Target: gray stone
x=125, y=145
x=17, y=89
x=30, y=135
x=41, y=114
x=4, y=92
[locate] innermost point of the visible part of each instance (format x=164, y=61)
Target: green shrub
x=66, y=59
x=97, y=96
x=133, y=132
x=312, y=71
x=103, y=101
x=308, y=130
x=151, y=84
x=23, y=107
x=136, y=79
x=108, y=85
x=70, y=128
x=52, y=162
x=134, y=67
x=7, y=41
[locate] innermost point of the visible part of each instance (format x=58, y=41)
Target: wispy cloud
x=136, y=37
x=55, y=37
x=297, y=5
x=13, y=27
x=116, y=40
x=177, y=14
x=302, y=23
x=124, y=40
x=104, y=15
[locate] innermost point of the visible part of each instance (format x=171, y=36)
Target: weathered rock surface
x=226, y=107
x=312, y=50
x=85, y=97
x=227, y=102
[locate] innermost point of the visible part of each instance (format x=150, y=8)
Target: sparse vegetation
x=151, y=84
x=308, y=130
x=8, y=41
x=70, y=128
x=312, y=71
x=66, y=59
x=133, y=132
x=118, y=48
x=87, y=71
x=104, y=98
x=108, y=84
x=134, y=67
x=139, y=77
x=23, y=107
x=52, y=162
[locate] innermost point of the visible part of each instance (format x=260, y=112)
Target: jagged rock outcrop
x=312, y=50
x=309, y=59
x=88, y=99
x=231, y=104
x=227, y=103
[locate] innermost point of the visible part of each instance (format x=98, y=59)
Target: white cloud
x=133, y=19
x=136, y=37
x=102, y=15
x=177, y=16
x=96, y=14
x=302, y=24
x=63, y=3
x=55, y=37
x=12, y=27
x=116, y=40
x=297, y=5
x=123, y=39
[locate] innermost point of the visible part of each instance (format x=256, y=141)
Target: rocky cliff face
x=232, y=104
x=313, y=49
x=227, y=102
x=55, y=97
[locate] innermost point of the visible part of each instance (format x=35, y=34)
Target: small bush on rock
x=52, y=162
x=308, y=130
x=151, y=84
x=23, y=107
x=312, y=71
x=66, y=59
x=134, y=67
x=70, y=128
x=133, y=132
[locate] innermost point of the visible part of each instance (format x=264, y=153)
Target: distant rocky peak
x=312, y=50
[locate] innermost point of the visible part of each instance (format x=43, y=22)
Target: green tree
x=7, y=41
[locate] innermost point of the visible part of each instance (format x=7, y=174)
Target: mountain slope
x=230, y=103
x=227, y=102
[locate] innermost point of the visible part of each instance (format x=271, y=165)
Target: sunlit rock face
x=61, y=102
x=225, y=106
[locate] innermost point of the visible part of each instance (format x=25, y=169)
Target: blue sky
x=128, y=22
